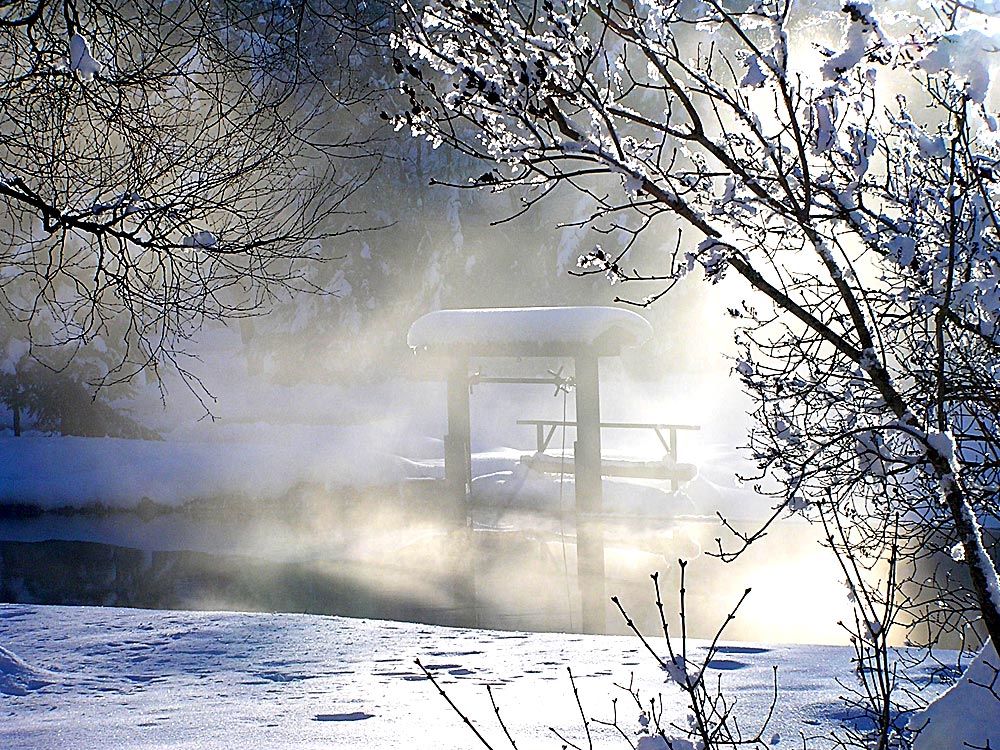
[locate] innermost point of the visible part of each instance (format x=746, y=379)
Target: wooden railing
x=674, y=471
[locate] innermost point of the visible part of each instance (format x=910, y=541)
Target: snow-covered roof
x=530, y=331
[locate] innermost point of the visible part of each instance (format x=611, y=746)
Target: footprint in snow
x=726, y=664
x=276, y=676
x=352, y=716
x=15, y=614
x=741, y=650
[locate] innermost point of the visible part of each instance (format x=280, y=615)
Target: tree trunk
x=982, y=570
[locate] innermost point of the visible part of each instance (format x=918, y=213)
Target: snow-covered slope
x=17, y=677
x=113, y=678
x=968, y=714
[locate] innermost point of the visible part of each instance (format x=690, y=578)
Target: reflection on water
x=391, y=556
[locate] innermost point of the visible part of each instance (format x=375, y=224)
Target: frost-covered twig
x=454, y=707
x=712, y=722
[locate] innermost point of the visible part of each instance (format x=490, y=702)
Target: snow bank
x=968, y=714
x=58, y=472
x=17, y=677
x=266, y=461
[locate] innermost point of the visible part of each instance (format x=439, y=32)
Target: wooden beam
x=589, y=496
x=457, y=443
x=676, y=472
x=623, y=425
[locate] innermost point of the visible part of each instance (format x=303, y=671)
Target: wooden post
x=674, y=484
x=457, y=443
x=589, y=499
x=458, y=483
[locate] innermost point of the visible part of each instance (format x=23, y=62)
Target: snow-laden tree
x=844, y=165
x=167, y=163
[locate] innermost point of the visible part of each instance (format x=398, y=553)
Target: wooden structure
x=584, y=334
x=667, y=469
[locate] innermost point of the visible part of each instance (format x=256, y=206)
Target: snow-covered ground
x=83, y=678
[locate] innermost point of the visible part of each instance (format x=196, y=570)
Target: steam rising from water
x=336, y=524
x=524, y=578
